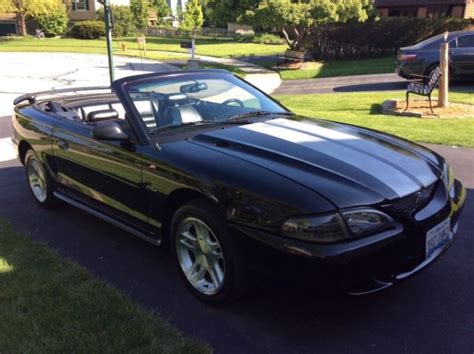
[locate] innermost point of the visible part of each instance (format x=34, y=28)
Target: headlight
x=324, y=228
x=332, y=228
x=366, y=221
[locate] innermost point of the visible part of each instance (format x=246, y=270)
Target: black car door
x=462, y=57
x=108, y=174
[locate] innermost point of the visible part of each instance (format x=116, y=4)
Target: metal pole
x=108, y=32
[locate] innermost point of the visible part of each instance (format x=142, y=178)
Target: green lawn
x=50, y=305
x=343, y=68
x=364, y=109
x=215, y=48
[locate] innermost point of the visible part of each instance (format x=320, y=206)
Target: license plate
x=438, y=237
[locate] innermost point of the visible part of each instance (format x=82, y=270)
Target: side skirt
x=101, y=215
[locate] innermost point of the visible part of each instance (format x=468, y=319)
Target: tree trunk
x=287, y=38
x=21, y=24
x=20, y=17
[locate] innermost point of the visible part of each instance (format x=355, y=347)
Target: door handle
x=63, y=145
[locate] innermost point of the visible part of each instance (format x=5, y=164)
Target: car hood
x=348, y=165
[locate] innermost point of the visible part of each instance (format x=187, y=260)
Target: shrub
x=91, y=29
x=375, y=38
x=123, y=20
x=53, y=23
x=264, y=38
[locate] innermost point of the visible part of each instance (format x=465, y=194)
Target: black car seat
x=180, y=111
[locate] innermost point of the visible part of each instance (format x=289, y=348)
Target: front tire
x=208, y=258
x=38, y=181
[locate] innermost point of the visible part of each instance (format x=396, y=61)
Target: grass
x=363, y=109
x=215, y=48
x=51, y=305
x=342, y=68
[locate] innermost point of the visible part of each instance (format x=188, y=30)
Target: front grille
x=413, y=202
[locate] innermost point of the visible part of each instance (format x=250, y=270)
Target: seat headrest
x=176, y=115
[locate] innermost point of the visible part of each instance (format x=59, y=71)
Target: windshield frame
x=122, y=86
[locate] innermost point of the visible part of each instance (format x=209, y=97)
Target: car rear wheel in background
x=38, y=181
x=208, y=258
x=430, y=70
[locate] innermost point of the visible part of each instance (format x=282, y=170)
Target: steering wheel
x=233, y=100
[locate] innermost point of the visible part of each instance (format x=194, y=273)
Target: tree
x=192, y=17
x=162, y=9
x=220, y=12
x=32, y=9
x=295, y=18
x=123, y=20
x=53, y=23
x=139, y=10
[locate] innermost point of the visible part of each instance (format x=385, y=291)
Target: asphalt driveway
x=430, y=313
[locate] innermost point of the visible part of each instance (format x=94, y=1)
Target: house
x=175, y=4
x=78, y=10
x=426, y=8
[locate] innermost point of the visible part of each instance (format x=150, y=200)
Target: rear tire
x=39, y=181
x=431, y=68
x=208, y=257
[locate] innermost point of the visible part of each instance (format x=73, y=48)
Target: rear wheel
x=208, y=257
x=430, y=70
x=38, y=181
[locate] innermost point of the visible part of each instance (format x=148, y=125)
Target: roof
x=383, y=3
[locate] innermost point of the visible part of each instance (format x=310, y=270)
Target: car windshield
x=194, y=99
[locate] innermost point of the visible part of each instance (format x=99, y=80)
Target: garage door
x=7, y=28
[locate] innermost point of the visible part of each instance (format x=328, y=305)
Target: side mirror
x=109, y=131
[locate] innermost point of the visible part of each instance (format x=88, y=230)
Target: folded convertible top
x=32, y=97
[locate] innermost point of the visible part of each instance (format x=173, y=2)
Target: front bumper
x=363, y=265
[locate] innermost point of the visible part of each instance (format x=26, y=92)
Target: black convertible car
x=234, y=182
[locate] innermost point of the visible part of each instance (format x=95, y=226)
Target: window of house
x=466, y=42
x=457, y=11
x=403, y=12
x=80, y=5
x=437, y=11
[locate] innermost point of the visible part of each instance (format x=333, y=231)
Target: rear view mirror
x=193, y=88
x=109, y=131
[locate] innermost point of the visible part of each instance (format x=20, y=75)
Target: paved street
x=432, y=312
x=31, y=72
x=355, y=83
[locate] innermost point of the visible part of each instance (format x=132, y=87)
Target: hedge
x=91, y=29
x=375, y=38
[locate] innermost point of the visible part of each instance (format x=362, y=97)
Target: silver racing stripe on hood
x=393, y=167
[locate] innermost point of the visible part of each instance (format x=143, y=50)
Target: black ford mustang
x=233, y=181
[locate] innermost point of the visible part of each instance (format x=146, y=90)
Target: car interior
x=157, y=110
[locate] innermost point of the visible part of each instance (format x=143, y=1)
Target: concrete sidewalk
x=266, y=80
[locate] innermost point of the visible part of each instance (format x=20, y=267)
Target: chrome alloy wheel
x=200, y=256
x=37, y=179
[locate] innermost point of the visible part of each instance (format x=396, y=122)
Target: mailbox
x=187, y=44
